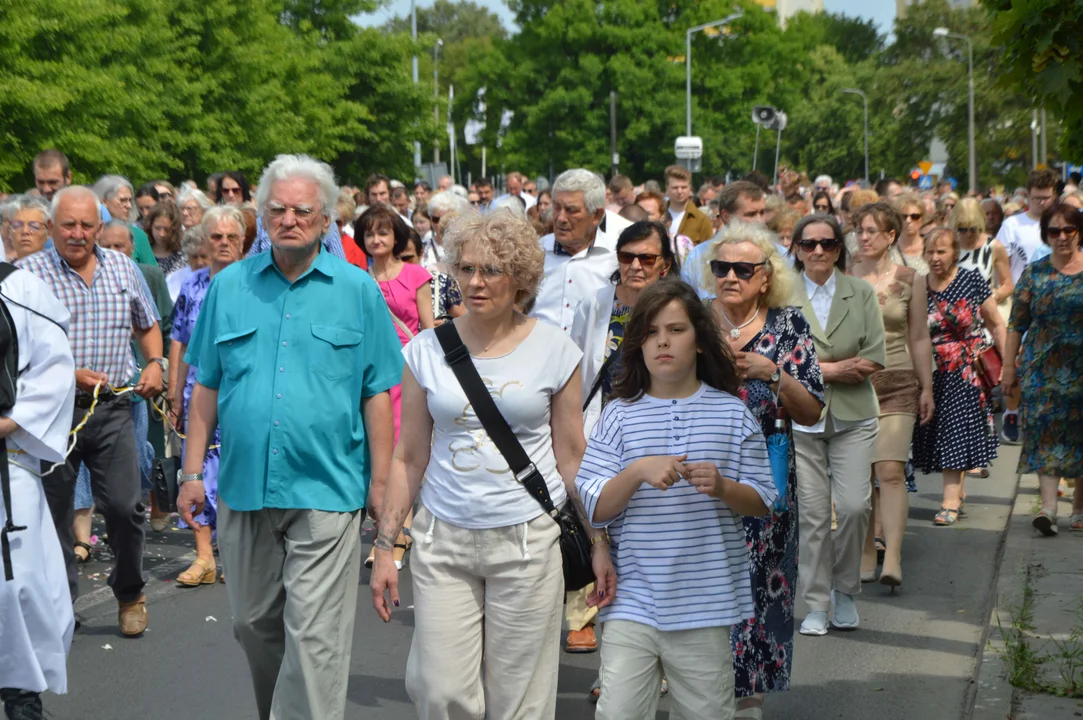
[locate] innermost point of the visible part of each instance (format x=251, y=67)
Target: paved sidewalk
x=1036, y=627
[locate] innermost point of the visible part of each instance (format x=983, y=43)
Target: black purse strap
x=9, y=527
x=601, y=376
x=458, y=359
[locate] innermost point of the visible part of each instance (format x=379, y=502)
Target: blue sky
x=881, y=11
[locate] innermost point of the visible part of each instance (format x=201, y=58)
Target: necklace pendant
x=735, y=333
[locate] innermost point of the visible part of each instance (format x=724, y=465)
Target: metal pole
x=756, y=152
x=436, y=100
x=413, y=34
x=778, y=150
x=688, y=81
x=970, y=112
x=1034, y=142
x=1045, y=146
x=613, y=129
x=865, y=102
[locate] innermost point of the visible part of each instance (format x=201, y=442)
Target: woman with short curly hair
x=487, y=570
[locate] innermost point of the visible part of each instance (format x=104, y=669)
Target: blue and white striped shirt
x=680, y=555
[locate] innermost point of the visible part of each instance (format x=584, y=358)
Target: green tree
x=452, y=21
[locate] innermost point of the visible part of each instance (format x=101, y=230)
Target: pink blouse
x=401, y=296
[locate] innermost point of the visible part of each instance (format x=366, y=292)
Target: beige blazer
x=855, y=328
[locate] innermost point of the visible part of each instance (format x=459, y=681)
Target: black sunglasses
x=967, y=230
x=647, y=260
x=435, y=219
x=1052, y=232
x=913, y=216
x=822, y=208
x=743, y=270
x=828, y=245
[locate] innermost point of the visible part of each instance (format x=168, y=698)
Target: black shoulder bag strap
x=458, y=359
x=601, y=376
x=5, y=476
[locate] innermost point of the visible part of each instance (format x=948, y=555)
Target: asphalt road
x=912, y=658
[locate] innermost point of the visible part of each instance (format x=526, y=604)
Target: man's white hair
x=512, y=203
x=448, y=201
x=189, y=193
x=287, y=167
x=460, y=191
x=217, y=214
x=823, y=178
x=584, y=181
x=74, y=190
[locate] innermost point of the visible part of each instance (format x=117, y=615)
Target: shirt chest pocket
x=334, y=354
x=236, y=350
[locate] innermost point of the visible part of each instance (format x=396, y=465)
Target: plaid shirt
x=103, y=313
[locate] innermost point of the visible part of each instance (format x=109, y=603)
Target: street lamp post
x=413, y=35
x=688, y=62
x=436, y=99
x=865, y=100
x=945, y=33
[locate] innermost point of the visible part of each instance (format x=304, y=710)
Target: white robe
x=36, y=619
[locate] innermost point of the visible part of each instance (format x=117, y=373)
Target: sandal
x=595, y=691
x=400, y=551
x=1075, y=522
x=946, y=516
x=200, y=572
x=962, y=506
x=881, y=548
x=82, y=559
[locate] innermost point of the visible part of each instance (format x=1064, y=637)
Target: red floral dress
x=962, y=435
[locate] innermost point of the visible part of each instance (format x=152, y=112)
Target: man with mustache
x=109, y=305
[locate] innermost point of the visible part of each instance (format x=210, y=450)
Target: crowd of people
x=731, y=389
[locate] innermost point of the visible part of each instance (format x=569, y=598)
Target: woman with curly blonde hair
x=486, y=622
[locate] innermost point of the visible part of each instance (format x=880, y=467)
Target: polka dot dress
x=961, y=436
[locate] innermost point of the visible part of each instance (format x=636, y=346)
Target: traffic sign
x=926, y=166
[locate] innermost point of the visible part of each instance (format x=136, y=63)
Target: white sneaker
x=844, y=611
x=815, y=624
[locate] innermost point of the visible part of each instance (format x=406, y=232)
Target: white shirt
x=530, y=200
x=175, y=280
x=571, y=280
x=675, y=225
x=821, y=297
x=467, y=482
x=1021, y=236
x=680, y=555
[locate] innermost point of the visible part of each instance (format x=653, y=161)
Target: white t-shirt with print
x=468, y=482
x=1021, y=236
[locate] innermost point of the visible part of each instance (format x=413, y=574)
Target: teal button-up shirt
x=291, y=363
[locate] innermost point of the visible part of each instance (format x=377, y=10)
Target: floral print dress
x=185, y=313
x=763, y=648
x=961, y=434
x=1048, y=307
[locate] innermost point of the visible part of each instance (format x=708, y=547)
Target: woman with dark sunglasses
x=834, y=454
x=911, y=244
x=982, y=252
x=821, y=203
x=776, y=358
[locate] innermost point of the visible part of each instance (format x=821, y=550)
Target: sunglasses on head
x=743, y=270
x=830, y=245
x=646, y=260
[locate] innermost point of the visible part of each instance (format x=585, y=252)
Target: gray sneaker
x=815, y=624
x=845, y=611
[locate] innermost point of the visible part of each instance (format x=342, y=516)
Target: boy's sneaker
x=1009, y=431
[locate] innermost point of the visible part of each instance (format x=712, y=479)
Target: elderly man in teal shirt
x=296, y=353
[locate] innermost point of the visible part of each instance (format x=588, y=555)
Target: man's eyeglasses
x=219, y=237
x=1052, y=233
x=743, y=270
x=34, y=225
x=646, y=260
x=829, y=245
x=301, y=212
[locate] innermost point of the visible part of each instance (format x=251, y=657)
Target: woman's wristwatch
x=776, y=376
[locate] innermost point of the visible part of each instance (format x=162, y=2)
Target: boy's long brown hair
x=715, y=364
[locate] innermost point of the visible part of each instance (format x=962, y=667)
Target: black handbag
x=164, y=480
x=574, y=540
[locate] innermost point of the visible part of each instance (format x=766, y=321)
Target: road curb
x=990, y=696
